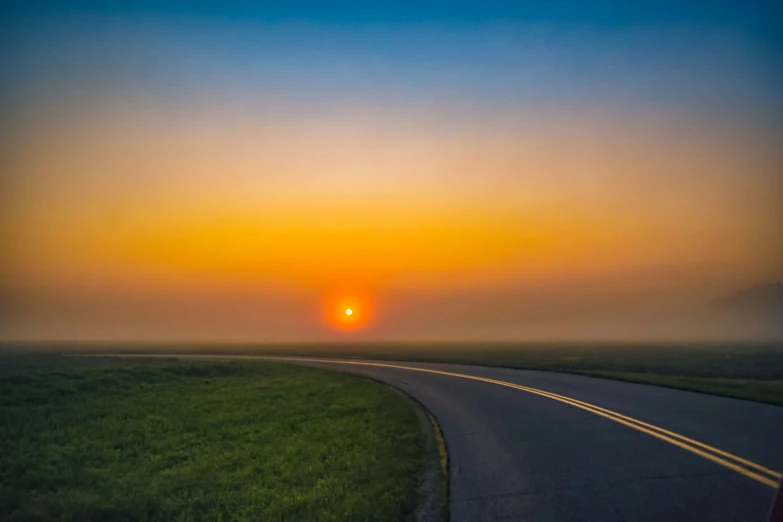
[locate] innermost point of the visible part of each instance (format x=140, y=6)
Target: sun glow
x=348, y=309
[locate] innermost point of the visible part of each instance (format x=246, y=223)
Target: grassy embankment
x=745, y=371
x=111, y=439
x=752, y=371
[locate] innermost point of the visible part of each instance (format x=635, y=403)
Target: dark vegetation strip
x=770, y=392
x=115, y=439
x=751, y=371
x=745, y=370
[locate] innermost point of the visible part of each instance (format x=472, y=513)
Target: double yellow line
x=745, y=467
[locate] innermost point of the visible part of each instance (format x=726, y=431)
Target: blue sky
x=698, y=56
x=595, y=11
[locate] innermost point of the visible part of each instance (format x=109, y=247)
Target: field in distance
x=118, y=439
x=745, y=370
x=752, y=371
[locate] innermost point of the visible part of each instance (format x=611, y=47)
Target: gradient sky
x=558, y=170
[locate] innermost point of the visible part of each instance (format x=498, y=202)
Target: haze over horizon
x=222, y=172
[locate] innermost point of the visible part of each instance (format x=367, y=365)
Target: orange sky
x=124, y=218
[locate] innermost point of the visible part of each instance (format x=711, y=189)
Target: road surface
x=543, y=446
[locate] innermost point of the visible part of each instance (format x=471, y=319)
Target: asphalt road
x=518, y=455
x=522, y=448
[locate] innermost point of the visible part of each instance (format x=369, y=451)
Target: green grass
x=745, y=370
x=108, y=439
x=751, y=371
x=751, y=389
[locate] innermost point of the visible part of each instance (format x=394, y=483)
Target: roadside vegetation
x=744, y=370
x=769, y=391
x=751, y=371
x=116, y=439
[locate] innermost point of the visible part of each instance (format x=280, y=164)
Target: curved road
x=543, y=446
x=519, y=455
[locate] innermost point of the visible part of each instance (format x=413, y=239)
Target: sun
x=348, y=309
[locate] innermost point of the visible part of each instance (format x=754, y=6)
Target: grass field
x=752, y=371
x=110, y=439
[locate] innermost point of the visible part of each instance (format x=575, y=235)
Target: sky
x=230, y=171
